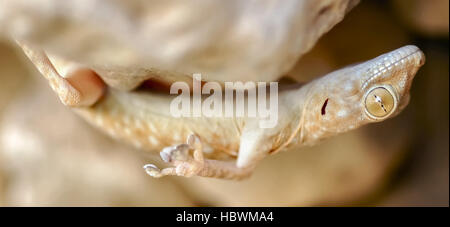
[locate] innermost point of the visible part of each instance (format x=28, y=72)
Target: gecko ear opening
x=380, y=102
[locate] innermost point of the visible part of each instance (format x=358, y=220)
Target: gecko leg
x=195, y=165
x=74, y=84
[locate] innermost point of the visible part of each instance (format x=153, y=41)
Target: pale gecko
x=230, y=148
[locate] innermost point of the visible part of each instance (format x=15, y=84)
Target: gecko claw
x=194, y=142
x=152, y=170
x=191, y=140
x=175, y=153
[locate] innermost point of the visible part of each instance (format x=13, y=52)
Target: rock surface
x=127, y=42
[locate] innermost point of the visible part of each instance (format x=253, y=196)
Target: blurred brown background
x=50, y=157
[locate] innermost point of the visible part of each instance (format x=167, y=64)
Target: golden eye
x=379, y=102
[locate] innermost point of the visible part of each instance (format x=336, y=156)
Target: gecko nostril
x=324, y=10
x=422, y=61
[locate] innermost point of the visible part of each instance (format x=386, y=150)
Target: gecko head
x=387, y=80
x=371, y=91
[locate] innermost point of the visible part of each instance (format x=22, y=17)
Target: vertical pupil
x=378, y=99
x=379, y=102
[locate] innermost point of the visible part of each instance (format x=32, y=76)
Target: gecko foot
x=179, y=156
x=187, y=161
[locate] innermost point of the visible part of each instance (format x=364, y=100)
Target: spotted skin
x=230, y=148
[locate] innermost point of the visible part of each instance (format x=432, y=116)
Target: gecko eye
x=380, y=102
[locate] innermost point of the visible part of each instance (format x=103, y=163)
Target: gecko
x=230, y=148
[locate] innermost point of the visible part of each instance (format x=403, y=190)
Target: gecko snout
x=389, y=80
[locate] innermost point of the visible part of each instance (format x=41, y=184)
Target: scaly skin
x=340, y=101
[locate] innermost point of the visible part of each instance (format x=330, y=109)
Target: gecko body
x=230, y=148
